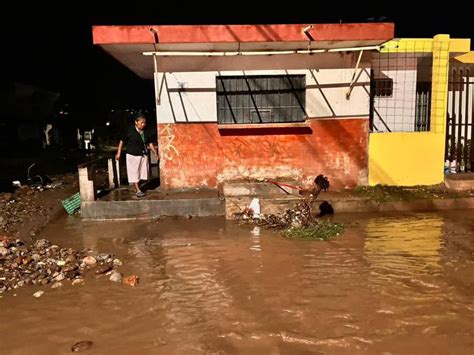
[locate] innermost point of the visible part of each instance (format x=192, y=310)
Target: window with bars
x=423, y=106
x=261, y=99
x=383, y=87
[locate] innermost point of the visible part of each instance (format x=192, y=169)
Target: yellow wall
x=406, y=159
x=408, y=45
x=416, y=158
x=423, y=45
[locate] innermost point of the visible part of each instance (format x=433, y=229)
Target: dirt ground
x=26, y=211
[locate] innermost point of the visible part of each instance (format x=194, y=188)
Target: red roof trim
x=242, y=33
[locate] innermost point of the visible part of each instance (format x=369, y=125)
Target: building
x=290, y=102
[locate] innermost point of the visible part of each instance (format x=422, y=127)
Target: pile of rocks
x=45, y=263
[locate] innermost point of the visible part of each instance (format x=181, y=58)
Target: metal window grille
x=460, y=116
x=423, y=106
x=261, y=99
x=383, y=87
x=400, y=95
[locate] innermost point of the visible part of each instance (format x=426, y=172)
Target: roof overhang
x=466, y=58
x=128, y=43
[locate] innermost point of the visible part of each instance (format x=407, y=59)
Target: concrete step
x=459, y=182
x=269, y=205
x=260, y=189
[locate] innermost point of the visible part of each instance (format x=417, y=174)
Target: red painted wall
x=201, y=155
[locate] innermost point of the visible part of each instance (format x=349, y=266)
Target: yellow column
x=439, y=84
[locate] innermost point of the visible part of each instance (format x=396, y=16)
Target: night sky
x=51, y=45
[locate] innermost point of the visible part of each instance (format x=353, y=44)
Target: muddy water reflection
x=390, y=284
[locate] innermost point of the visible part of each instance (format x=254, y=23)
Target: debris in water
x=89, y=261
x=296, y=223
x=300, y=216
x=117, y=262
x=103, y=269
x=115, y=276
x=131, y=280
x=255, y=207
x=81, y=346
x=78, y=282
x=256, y=231
x=319, y=230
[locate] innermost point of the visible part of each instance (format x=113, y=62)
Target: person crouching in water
x=137, y=141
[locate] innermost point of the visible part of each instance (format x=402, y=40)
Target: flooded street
x=389, y=284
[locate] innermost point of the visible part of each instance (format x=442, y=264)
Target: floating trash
x=295, y=223
x=72, y=203
x=82, y=346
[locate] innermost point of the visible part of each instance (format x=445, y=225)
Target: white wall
x=191, y=96
x=397, y=111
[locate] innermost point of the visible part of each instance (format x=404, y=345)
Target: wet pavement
x=126, y=193
x=390, y=284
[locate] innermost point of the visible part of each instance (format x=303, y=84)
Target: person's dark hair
x=139, y=115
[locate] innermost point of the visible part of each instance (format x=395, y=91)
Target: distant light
x=107, y=123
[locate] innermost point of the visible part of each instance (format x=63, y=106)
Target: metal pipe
x=235, y=53
x=307, y=34
x=225, y=54
x=351, y=85
x=353, y=49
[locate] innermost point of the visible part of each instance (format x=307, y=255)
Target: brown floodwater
x=391, y=284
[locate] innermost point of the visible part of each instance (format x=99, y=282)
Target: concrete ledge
x=202, y=207
x=406, y=206
x=279, y=205
x=459, y=182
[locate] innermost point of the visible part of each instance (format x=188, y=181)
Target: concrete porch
x=104, y=197
x=122, y=203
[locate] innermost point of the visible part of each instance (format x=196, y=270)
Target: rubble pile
x=44, y=263
x=300, y=216
x=295, y=223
